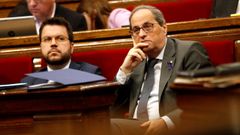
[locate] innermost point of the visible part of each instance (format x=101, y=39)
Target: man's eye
x=147, y=25
x=46, y=39
x=61, y=38
x=136, y=29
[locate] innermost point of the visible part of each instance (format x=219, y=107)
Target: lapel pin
x=170, y=65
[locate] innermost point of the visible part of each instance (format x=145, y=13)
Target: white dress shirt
x=238, y=8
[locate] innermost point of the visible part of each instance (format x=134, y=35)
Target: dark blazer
x=223, y=8
x=76, y=20
x=179, y=55
x=79, y=66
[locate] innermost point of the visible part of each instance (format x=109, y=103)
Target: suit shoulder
x=32, y=80
x=186, y=42
x=62, y=10
x=29, y=80
x=84, y=66
x=20, y=9
x=77, y=20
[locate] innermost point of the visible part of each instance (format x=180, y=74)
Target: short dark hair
x=156, y=13
x=57, y=21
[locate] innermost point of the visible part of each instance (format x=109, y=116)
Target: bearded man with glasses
x=152, y=103
x=56, y=43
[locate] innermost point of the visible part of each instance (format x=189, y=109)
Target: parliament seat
x=13, y=69
x=107, y=48
x=220, y=52
x=184, y=10
x=109, y=61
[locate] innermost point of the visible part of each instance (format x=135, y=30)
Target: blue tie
x=142, y=113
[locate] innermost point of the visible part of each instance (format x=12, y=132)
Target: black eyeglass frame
x=146, y=27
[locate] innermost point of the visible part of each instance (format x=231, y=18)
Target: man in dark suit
x=224, y=8
x=45, y=9
x=149, y=32
x=56, y=42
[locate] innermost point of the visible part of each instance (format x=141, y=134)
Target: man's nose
x=53, y=42
x=142, y=33
x=32, y=3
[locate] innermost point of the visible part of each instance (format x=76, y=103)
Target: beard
x=57, y=62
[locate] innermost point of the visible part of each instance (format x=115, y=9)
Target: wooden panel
x=73, y=110
x=202, y=30
x=173, y=29
x=208, y=112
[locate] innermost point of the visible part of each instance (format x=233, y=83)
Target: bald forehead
x=42, y=1
x=142, y=11
x=49, y=1
x=142, y=15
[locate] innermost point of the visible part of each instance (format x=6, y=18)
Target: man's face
x=41, y=9
x=154, y=35
x=55, y=45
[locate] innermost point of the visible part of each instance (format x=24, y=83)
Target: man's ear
x=165, y=28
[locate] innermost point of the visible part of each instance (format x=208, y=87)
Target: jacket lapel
x=75, y=65
x=167, y=66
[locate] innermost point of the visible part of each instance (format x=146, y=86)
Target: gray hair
x=158, y=15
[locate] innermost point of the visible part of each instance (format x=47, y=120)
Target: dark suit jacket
x=179, y=55
x=79, y=66
x=76, y=20
x=224, y=8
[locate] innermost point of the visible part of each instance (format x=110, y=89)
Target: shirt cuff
x=121, y=77
x=168, y=122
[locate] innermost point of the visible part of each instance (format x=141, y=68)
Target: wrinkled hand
x=134, y=57
x=155, y=127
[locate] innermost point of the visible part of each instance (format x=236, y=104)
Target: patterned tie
x=142, y=113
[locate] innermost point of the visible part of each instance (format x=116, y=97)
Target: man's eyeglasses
x=146, y=27
x=58, y=39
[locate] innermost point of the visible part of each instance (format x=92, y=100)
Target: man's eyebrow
x=56, y=36
x=142, y=24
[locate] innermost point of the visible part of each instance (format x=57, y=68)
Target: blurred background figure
x=224, y=8
x=45, y=9
x=99, y=14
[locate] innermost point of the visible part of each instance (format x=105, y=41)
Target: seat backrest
x=220, y=52
x=12, y=70
x=184, y=10
x=109, y=61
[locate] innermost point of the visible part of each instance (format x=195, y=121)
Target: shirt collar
x=54, y=10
